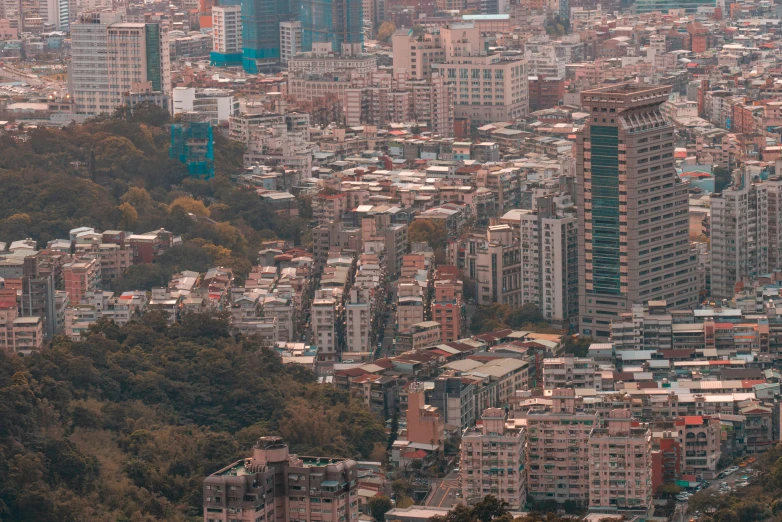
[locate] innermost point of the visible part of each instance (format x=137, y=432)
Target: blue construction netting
x=192, y=143
x=331, y=21
x=261, y=30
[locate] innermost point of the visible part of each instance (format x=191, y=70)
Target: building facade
x=137, y=53
x=493, y=460
x=632, y=208
x=274, y=484
x=226, y=35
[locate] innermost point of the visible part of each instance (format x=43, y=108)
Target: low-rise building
x=274, y=484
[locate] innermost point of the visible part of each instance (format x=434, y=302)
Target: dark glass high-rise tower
x=633, y=211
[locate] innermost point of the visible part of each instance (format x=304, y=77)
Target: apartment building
x=699, y=437
x=149, y=246
x=274, y=484
x=410, y=310
x=489, y=87
x=570, y=372
x=19, y=334
x=447, y=308
x=226, y=35
x=558, y=454
x=632, y=209
x=290, y=40
x=88, y=82
x=493, y=460
x=418, y=336
x=620, y=475
x=454, y=397
x=81, y=277
x=324, y=332
x=740, y=233
x=497, y=265
x=358, y=316
x=414, y=56
x=329, y=207
x=137, y=53
x=647, y=327
x=549, y=267
x=425, y=425
x=215, y=105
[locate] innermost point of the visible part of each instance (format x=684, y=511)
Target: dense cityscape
x=390, y=260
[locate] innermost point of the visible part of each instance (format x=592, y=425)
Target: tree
x=427, y=231
x=379, y=506
x=725, y=515
x=394, y=432
x=386, y=30
x=578, y=346
x=190, y=205
x=490, y=508
x=668, y=490
x=721, y=179
x=129, y=216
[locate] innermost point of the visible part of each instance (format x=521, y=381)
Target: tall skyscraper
x=632, y=208
x=338, y=22
x=261, y=32
x=226, y=35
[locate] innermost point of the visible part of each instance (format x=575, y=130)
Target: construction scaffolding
x=192, y=143
x=331, y=21
x=261, y=31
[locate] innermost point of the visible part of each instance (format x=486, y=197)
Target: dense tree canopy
x=498, y=316
x=124, y=424
x=115, y=173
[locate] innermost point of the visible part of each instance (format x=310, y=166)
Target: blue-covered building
x=192, y=143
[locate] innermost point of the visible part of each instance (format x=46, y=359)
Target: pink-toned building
x=447, y=309
x=329, y=207
x=7, y=32
x=27, y=334
x=8, y=313
x=19, y=334
x=557, y=454
x=81, y=277
x=493, y=460
x=699, y=438
x=620, y=457
x=274, y=485
x=425, y=425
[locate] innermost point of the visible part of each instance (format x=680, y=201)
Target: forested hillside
x=124, y=425
x=115, y=173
